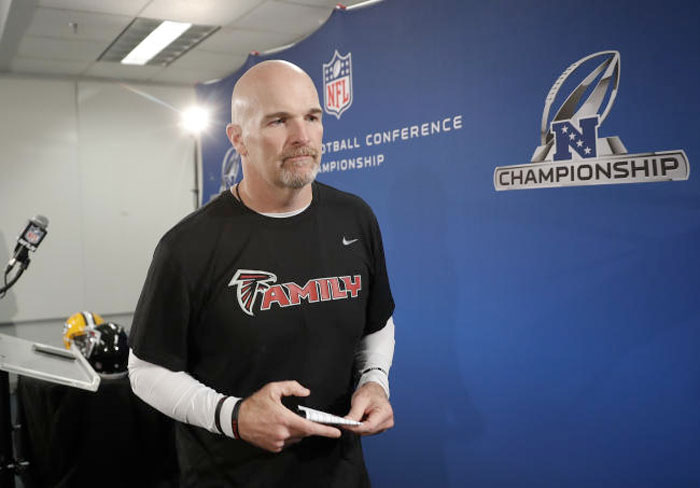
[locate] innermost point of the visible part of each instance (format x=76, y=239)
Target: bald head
x=266, y=79
x=276, y=127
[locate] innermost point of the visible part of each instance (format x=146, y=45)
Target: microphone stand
x=7, y=285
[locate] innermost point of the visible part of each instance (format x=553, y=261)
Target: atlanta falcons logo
x=251, y=283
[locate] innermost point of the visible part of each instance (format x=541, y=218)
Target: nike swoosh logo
x=347, y=242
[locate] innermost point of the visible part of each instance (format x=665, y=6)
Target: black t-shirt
x=238, y=300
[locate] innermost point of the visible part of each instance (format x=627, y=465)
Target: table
x=73, y=437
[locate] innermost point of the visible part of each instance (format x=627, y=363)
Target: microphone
x=28, y=240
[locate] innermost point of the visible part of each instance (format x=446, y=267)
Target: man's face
x=283, y=132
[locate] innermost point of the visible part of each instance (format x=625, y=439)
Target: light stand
x=194, y=120
x=197, y=158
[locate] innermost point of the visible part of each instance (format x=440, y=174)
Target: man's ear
x=235, y=135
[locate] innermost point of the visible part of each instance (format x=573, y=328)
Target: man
x=277, y=290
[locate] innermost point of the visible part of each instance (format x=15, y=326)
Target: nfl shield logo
x=337, y=84
x=33, y=235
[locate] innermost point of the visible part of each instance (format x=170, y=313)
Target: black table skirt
x=75, y=438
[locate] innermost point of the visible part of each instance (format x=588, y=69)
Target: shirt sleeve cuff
x=375, y=375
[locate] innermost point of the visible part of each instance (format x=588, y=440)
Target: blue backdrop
x=545, y=337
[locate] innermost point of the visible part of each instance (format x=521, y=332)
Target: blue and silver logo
x=571, y=153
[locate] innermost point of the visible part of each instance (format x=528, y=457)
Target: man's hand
x=265, y=422
x=370, y=406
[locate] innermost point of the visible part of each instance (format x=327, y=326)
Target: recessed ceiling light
x=176, y=38
x=155, y=42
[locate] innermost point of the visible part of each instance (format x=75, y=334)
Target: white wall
x=110, y=169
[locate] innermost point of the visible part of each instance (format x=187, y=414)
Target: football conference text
x=444, y=125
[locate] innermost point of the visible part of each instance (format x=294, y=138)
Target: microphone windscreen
x=41, y=221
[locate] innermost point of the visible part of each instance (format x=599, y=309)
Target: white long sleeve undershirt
x=180, y=396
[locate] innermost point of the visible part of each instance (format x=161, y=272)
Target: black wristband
x=217, y=414
x=234, y=418
x=373, y=369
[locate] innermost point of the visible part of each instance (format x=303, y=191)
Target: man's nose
x=298, y=132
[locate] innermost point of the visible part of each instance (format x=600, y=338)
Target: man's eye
x=277, y=121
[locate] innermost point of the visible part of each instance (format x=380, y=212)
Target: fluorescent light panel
x=155, y=42
x=140, y=28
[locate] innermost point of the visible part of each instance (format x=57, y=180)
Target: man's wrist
x=375, y=375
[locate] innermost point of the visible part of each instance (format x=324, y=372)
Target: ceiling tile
x=239, y=41
x=50, y=22
x=246, y=25
x=122, y=7
x=174, y=75
x=47, y=66
x=197, y=59
x=50, y=48
x=206, y=12
x=285, y=17
x=103, y=69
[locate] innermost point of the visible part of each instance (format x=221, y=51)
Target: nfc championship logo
x=230, y=169
x=571, y=153
x=337, y=84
